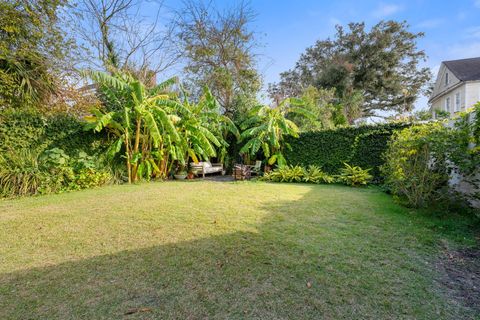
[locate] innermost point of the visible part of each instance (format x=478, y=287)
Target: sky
x=285, y=28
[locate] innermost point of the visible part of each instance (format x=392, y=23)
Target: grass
x=197, y=250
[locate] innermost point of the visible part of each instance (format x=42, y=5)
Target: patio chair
x=257, y=168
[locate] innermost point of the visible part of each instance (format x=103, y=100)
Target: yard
x=197, y=250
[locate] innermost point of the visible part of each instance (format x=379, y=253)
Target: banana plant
x=145, y=127
x=158, y=129
x=266, y=129
x=202, y=129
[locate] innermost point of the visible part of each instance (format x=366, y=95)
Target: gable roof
x=465, y=69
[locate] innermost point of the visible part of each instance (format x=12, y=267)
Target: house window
x=457, y=102
x=447, y=104
x=446, y=79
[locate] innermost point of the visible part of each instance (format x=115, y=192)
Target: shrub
x=30, y=172
x=89, y=178
x=355, y=176
x=29, y=129
x=312, y=174
x=415, y=163
x=329, y=149
x=286, y=174
x=20, y=173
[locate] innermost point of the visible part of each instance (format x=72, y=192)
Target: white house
x=457, y=87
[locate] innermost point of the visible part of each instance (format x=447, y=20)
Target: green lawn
x=198, y=250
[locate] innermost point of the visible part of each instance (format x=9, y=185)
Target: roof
x=465, y=69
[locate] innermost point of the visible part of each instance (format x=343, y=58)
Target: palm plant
x=267, y=127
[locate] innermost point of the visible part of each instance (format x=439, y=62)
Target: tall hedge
x=29, y=129
x=329, y=149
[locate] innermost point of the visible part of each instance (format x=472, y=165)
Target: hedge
x=361, y=146
x=29, y=129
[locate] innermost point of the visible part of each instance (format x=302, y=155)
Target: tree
x=267, y=127
x=157, y=129
x=321, y=103
x=218, y=48
x=376, y=70
x=118, y=37
x=33, y=52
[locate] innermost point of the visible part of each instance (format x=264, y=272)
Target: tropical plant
x=139, y=127
x=313, y=174
x=157, y=130
x=203, y=129
x=267, y=127
x=285, y=174
x=354, y=175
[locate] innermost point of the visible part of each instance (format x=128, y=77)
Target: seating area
x=206, y=167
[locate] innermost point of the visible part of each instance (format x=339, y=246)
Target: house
x=457, y=87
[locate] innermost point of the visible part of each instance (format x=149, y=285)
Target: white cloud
x=384, y=10
x=430, y=24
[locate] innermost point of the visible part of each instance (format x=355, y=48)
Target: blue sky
x=286, y=27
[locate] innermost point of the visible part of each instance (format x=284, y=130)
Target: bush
x=415, y=163
x=29, y=172
x=355, y=176
x=312, y=174
x=20, y=174
x=29, y=129
x=285, y=174
x=48, y=154
x=329, y=149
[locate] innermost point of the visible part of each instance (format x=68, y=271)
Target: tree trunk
x=128, y=156
x=135, y=149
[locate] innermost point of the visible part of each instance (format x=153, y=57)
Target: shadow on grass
x=309, y=259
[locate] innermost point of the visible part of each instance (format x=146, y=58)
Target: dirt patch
x=461, y=275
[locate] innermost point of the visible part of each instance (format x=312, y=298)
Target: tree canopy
x=33, y=50
x=218, y=48
x=382, y=65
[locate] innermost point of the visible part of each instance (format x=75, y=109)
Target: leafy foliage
x=415, y=167
x=329, y=149
x=326, y=114
x=30, y=129
x=267, y=128
x=33, y=51
x=218, y=46
x=312, y=174
x=30, y=172
x=157, y=130
x=355, y=176
x=371, y=70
